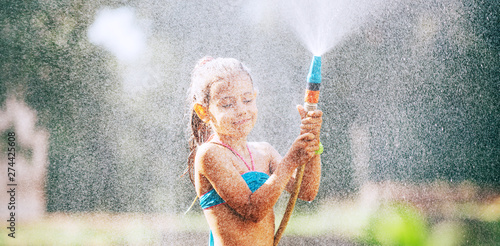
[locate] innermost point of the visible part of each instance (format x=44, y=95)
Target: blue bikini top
x=253, y=179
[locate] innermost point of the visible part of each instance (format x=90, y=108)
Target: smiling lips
x=241, y=122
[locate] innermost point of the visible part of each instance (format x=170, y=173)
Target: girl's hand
x=306, y=145
x=303, y=148
x=311, y=121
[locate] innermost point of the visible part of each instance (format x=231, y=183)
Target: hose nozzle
x=313, y=83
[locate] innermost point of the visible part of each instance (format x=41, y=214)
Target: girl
x=239, y=182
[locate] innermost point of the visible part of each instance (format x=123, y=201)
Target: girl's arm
x=226, y=180
x=310, y=123
x=310, y=181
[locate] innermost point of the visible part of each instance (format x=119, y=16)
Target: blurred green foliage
x=401, y=224
x=47, y=62
x=397, y=224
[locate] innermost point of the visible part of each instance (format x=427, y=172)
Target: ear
x=201, y=112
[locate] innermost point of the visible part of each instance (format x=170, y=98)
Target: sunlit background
x=95, y=92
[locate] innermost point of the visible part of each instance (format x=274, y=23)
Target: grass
x=400, y=223
x=102, y=229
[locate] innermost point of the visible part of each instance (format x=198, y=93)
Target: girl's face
x=232, y=108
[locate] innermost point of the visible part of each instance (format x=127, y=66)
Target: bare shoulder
x=207, y=155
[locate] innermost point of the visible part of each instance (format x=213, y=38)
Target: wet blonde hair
x=206, y=72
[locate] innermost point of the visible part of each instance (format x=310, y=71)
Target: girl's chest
x=261, y=163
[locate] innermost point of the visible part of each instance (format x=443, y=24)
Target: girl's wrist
x=287, y=165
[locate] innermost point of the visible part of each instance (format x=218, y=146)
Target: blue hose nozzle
x=314, y=75
x=313, y=84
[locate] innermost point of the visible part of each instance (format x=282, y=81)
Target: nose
x=240, y=107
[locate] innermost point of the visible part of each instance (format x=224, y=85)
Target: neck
x=239, y=144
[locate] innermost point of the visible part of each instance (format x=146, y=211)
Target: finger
x=302, y=111
x=307, y=136
x=312, y=128
x=316, y=133
x=311, y=147
x=315, y=113
x=311, y=120
x=314, y=143
x=311, y=150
